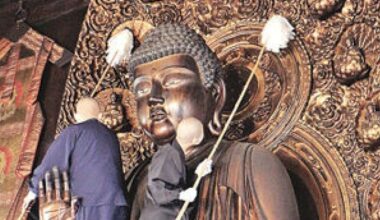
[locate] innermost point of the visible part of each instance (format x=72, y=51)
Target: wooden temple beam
x=38, y=11
x=41, y=13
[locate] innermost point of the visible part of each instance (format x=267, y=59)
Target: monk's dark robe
x=247, y=182
x=166, y=179
x=90, y=152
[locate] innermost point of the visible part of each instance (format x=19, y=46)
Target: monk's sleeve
x=167, y=177
x=58, y=155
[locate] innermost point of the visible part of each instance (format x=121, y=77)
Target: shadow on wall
x=305, y=202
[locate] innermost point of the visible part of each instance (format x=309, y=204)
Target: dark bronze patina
x=248, y=181
x=168, y=90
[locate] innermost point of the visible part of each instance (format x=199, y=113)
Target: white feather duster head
x=119, y=47
x=276, y=34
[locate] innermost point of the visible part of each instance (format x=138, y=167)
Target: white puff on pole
x=119, y=47
x=275, y=36
x=119, y=50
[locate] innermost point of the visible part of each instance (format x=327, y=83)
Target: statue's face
x=168, y=90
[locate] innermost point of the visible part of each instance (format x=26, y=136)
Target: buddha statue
x=175, y=75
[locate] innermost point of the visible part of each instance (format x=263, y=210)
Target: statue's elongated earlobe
x=215, y=125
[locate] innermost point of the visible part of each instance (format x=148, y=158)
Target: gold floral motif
x=368, y=123
x=374, y=201
x=351, y=65
x=323, y=8
x=355, y=54
x=135, y=148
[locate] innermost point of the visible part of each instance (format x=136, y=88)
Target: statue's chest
x=219, y=201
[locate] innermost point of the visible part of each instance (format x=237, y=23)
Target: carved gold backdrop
x=316, y=104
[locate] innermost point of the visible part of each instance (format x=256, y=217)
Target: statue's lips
x=157, y=113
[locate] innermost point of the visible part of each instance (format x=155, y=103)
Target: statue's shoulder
x=252, y=153
x=253, y=161
x=260, y=158
x=261, y=173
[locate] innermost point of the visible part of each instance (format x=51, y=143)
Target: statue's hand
x=54, y=200
x=204, y=168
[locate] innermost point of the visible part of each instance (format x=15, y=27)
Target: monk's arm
x=57, y=155
x=166, y=177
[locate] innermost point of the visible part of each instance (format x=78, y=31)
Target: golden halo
x=139, y=28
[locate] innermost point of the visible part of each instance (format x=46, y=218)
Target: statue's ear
x=219, y=95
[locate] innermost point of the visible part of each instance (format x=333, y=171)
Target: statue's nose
x=156, y=94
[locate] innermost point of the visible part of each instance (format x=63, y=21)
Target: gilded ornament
x=368, y=122
x=350, y=65
x=324, y=8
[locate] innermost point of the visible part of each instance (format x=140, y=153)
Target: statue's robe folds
x=247, y=182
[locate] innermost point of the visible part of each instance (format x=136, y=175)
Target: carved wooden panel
x=316, y=104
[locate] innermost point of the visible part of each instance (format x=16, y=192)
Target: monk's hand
x=28, y=200
x=204, y=168
x=27, y=205
x=188, y=195
x=54, y=196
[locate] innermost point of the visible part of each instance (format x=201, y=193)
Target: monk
x=176, y=76
x=167, y=174
x=90, y=152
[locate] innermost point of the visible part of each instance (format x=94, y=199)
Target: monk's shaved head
x=190, y=132
x=86, y=108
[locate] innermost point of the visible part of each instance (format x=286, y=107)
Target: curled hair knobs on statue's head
x=170, y=39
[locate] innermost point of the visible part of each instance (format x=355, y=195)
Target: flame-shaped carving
x=368, y=122
x=324, y=8
x=355, y=54
x=351, y=65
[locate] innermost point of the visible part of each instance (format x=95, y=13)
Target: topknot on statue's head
x=170, y=39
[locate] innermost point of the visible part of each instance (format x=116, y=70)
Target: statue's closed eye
x=176, y=78
x=171, y=82
x=142, y=88
x=142, y=91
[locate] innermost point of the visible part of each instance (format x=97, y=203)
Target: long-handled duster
x=276, y=35
x=119, y=49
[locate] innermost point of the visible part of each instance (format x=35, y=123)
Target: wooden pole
x=102, y=77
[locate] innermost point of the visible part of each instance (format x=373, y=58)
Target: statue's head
x=175, y=76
